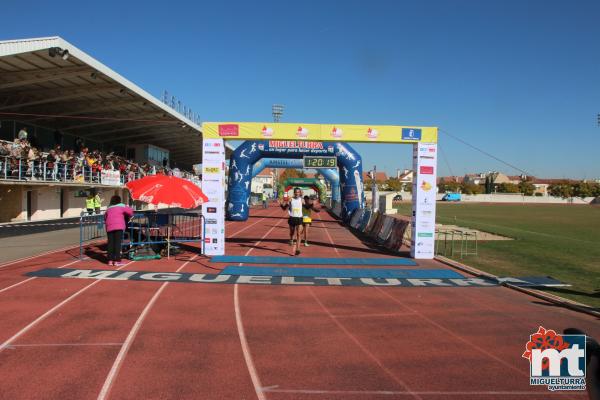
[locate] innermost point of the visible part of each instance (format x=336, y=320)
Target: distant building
x=264, y=181
x=475, y=179
x=451, y=178
x=380, y=178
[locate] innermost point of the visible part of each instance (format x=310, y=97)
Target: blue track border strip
x=375, y=273
x=314, y=260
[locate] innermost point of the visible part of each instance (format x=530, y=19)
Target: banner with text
x=112, y=178
x=424, y=191
x=320, y=132
x=213, y=186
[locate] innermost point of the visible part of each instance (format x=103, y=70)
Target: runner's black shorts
x=295, y=221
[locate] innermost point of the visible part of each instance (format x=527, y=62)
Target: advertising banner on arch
x=213, y=186
x=319, y=132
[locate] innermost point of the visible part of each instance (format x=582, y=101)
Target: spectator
x=116, y=217
x=97, y=203
x=22, y=135
x=90, y=203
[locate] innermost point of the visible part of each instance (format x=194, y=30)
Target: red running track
x=89, y=339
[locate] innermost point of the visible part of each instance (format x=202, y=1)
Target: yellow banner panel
x=319, y=132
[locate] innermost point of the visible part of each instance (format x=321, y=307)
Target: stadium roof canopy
x=49, y=82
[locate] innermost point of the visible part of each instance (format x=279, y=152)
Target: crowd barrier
x=383, y=229
x=148, y=232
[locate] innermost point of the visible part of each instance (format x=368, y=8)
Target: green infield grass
x=562, y=241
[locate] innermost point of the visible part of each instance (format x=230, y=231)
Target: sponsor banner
x=213, y=185
x=112, y=178
x=186, y=277
x=423, y=200
x=319, y=132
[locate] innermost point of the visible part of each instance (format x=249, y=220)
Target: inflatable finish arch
x=310, y=183
x=248, y=153
x=331, y=175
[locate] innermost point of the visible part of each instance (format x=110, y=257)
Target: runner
x=307, y=208
x=294, y=207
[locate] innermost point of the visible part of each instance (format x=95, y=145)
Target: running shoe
x=306, y=244
x=119, y=264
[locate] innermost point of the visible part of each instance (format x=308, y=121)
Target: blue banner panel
x=342, y=272
x=314, y=260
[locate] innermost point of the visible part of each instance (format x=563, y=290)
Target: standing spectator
x=90, y=203
x=79, y=144
x=58, y=137
x=97, y=203
x=51, y=164
x=264, y=199
x=116, y=217
x=22, y=135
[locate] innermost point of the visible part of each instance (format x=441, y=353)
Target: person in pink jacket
x=116, y=217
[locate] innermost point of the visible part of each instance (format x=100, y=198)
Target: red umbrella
x=168, y=190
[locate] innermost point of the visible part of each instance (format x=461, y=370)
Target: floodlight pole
x=277, y=110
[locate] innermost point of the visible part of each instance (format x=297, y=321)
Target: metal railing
x=147, y=230
x=21, y=169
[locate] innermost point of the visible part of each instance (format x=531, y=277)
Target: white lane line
x=114, y=370
x=242, y=334
x=38, y=255
x=105, y=391
x=14, y=346
x=330, y=239
x=33, y=277
x=50, y=311
x=454, y=334
x=374, y=315
x=363, y=347
x=422, y=393
x=358, y=343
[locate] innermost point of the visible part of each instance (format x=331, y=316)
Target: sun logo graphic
x=556, y=361
x=302, y=132
x=372, y=133
x=337, y=132
x=266, y=131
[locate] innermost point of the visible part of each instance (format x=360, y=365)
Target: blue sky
x=520, y=79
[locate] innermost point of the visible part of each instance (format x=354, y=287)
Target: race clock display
x=320, y=162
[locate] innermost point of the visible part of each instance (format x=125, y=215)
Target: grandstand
x=69, y=124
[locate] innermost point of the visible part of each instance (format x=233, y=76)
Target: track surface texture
x=101, y=339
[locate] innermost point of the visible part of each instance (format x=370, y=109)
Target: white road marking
x=50, y=311
x=33, y=277
x=114, y=370
x=14, y=346
x=242, y=334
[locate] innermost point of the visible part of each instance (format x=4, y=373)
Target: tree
x=471, y=188
x=584, y=189
x=453, y=187
x=488, y=184
x=290, y=173
x=442, y=185
x=562, y=189
x=526, y=187
x=508, y=188
x=394, y=184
